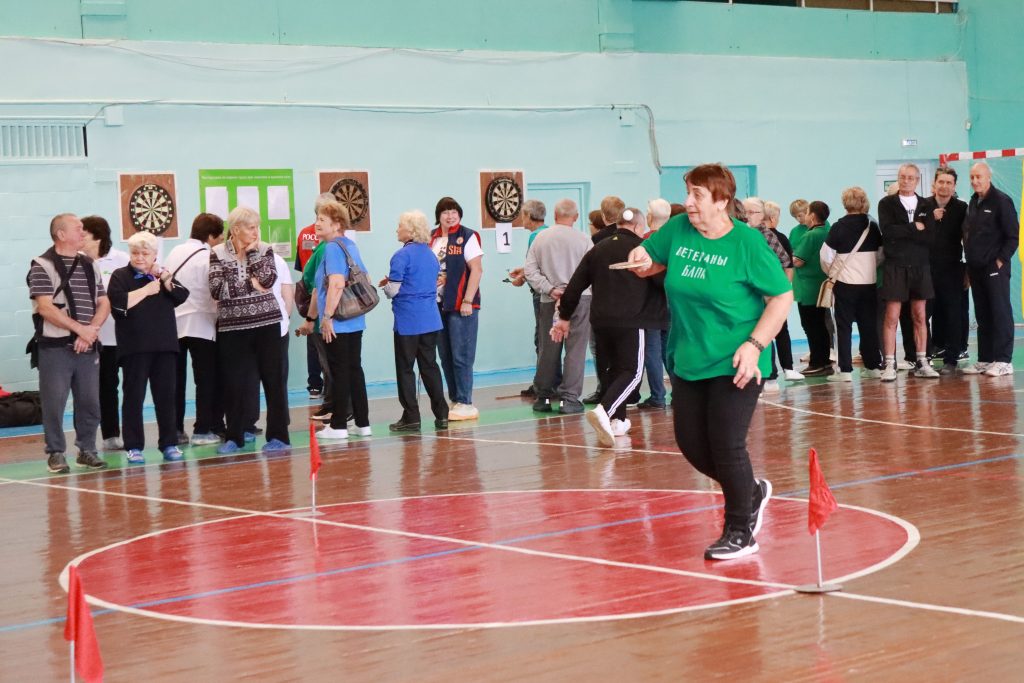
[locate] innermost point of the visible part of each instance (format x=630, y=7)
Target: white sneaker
x=840, y=377
x=330, y=433
x=792, y=375
x=926, y=370
x=905, y=365
x=771, y=386
x=463, y=411
x=620, y=427
x=114, y=443
x=999, y=369
x=806, y=357
x=361, y=431
x=598, y=419
x=868, y=373
x=976, y=368
x=888, y=374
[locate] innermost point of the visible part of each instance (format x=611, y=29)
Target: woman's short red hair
x=716, y=178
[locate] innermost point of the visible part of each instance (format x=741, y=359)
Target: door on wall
x=674, y=189
x=886, y=173
x=550, y=193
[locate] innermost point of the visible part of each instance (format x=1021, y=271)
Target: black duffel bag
x=20, y=409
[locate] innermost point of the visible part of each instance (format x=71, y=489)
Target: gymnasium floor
x=517, y=548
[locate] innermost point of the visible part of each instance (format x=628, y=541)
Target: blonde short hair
x=772, y=211
x=798, y=208
x=142, y=241
x=855, y=200
x=242, y=216
x=416, y=221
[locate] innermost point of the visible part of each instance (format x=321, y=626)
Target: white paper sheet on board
x=249, y=196
x=217, y=201
x=503, y=237
x=278, y=207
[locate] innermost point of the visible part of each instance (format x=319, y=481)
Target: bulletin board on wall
x=352, y=190
x=501, y=198
x=149, y=203
x=269, y=192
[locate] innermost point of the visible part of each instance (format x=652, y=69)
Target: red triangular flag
x=821, y=503
x=88, y=662
x=314, y=453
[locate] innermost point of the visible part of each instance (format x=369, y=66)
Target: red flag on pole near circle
x=79, y=630
x=314, y=453
x=821, y=502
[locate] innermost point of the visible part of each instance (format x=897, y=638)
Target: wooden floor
x=518, y=549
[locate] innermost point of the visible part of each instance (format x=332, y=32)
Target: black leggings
x=711, y=419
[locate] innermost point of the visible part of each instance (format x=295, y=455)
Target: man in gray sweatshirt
x=550, y=263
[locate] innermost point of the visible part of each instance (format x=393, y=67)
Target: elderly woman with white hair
x=411, y=286
x=242, y=276
x=143, y=296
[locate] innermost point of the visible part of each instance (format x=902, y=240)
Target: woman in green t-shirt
x=806, y=283
x=729, y=297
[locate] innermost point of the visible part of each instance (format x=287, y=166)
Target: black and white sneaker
x=57, y=463
x=91, y=460
x=734, y=543
x=759, y=501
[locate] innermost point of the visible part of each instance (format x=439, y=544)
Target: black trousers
x=620, y=366
x=247, y=358
x=344, y=356
x=946, y=311
x=252, y=412
x=158, y=369
x=313, y=379
x=110, y=422
x=420, y=349
x=711, y=419
x=857, y=304
x=783, y=346
x=990, y=289
x=812, y=319
x=205, y=374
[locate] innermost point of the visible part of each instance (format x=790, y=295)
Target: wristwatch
x=309, y=320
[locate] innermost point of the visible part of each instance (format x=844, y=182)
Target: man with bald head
x=990, y=239
x=69, y=305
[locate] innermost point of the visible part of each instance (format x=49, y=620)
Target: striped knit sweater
x=240, y=306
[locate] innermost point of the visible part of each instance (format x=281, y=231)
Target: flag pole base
x=815, y=588
x=306, y=513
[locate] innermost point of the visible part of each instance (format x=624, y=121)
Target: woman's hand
x=745, y=361
x=648, y=267
x=152, y=287
x=327, y=331
x=257, y=286
x=466, y=309
x=305, y=329
x=383, y=282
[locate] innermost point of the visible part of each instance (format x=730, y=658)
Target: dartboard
x=504, y=199
x=151, y=208
x=353, y=196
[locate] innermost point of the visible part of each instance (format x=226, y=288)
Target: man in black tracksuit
x=990, y=239
x=622, y=307
x=943, y=215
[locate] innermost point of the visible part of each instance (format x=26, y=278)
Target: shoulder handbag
x=825, y=296
x=359, y=296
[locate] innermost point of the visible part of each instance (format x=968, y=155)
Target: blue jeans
x=456, y=345
x=654, y=363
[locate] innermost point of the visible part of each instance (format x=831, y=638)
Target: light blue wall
x=812, y=98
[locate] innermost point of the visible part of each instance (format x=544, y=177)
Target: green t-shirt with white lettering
x=715, y=289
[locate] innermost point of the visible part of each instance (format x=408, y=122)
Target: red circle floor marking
x=274, y=572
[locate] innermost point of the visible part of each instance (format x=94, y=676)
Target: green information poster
x=270, y=192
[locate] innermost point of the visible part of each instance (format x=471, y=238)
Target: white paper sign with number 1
x=503, y=235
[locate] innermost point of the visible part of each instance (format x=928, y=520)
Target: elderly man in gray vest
x=550, y=263
x=69, y=305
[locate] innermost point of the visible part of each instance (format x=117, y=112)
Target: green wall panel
x=41, y=18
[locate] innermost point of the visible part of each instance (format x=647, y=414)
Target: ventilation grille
x=42, y=140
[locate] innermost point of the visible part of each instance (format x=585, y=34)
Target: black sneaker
x=593, y=398
x=759, y=501
x=542, y=405
x=323, y=415
x=528, y=392
x=182, y=440
x=91, y=460
x=57, y=463
x=404, y=425
x=314, y=392
x=650, y=404
x=441, y=423
x=733, y=544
